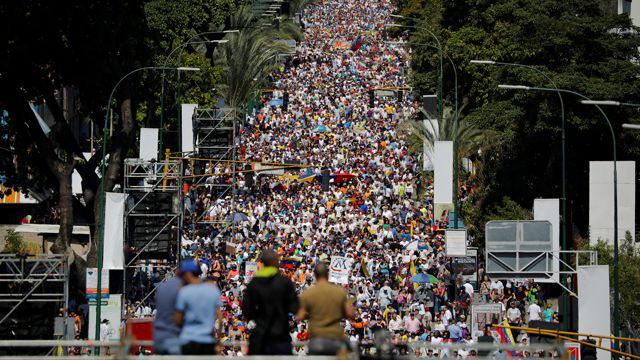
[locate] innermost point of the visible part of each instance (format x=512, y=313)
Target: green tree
x=629, y=269
x=87, y=46
x=581, y=45
x=453, y=127
x=249, y=56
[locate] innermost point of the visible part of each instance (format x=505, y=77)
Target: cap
x=189, y=266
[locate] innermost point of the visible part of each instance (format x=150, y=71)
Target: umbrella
x=424, y=278
x=238, y=217
x=340, y=177
x=321, y=129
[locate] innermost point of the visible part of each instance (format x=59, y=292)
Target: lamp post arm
x=616, y=268
x=101, y=212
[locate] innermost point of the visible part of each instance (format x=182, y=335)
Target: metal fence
x=411, y=350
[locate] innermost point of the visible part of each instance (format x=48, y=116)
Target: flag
x=364, y=269
x=357, y=44
x=507, y=337
x=469, y=166
x=412, y=272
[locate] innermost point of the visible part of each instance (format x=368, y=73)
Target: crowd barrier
x=120, y=350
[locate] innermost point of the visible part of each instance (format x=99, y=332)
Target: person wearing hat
x=197, y=308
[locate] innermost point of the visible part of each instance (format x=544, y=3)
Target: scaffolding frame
x=209, y=127
x=34, y=270
x=143, y=179
x=524, y=260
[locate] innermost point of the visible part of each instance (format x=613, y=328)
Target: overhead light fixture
x=487, y=62
x=514, y=87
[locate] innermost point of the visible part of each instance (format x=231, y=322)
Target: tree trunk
x=63, y=172
x=121, y=142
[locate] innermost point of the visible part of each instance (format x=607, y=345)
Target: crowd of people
x=377, y=212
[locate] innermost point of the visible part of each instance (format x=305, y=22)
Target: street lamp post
x=100, y=243
x=166, y=61
x=616, y=273
x=456, y=170
x=453, y=66
x=565, y=245
x=440, y=93
x=456, y=207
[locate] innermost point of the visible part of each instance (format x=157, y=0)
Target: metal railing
x=123, y=349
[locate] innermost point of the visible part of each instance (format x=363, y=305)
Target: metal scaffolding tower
x=29, y=279
x=153, y=214
x=215, y=168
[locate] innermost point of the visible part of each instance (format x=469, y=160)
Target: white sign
x=250, y=270
x=149, y=144
x=339, y=269
x=601, y=200
x=549, y=210
x=456, y=241
x=92, y=284
x=112, y=311
x=443, y=173
x=187, y=126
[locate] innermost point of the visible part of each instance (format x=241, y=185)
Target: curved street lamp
x=616, y=268
x=166, y=61
x=100, y=243
x=440, y=93
x=565, y=304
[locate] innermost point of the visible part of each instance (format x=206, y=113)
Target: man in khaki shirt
x=325, y=304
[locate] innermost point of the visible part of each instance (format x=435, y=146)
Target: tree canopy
x=581, y=45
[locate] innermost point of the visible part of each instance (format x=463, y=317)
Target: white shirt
x=513, y=314
x=395, y=325
x=468, y=288
x=105, y=331
x=534, y=312
x=497, y=285
x=446, y=317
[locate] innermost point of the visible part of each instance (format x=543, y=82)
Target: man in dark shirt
x=269, y=299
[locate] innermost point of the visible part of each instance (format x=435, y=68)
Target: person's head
x=270, y=258
x=189, y=271
x=321, y=271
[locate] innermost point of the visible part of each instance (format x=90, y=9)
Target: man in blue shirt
x=197, y=307
x=455, y=331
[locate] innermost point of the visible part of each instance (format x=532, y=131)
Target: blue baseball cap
x=189, y=266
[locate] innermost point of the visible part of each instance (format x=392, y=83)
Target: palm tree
x=249, y=56
x=299, y=5
x=422, y=135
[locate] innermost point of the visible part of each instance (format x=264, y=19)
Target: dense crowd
x=378, y=210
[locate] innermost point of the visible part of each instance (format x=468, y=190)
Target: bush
x=13, y=243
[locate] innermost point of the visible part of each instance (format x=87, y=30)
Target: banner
x=250, y=269
x=339, y=269
x=149, y=144
x=114, y=231
x=467, y=266
x=187, y=126
x=443, y=172
x=92, y=284
x=483, y=315
x=456, y=242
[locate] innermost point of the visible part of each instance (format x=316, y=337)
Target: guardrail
x=122, y=349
